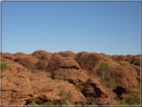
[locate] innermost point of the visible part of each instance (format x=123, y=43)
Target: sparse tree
x=64, y=97
x=103, y=71
x=108, y=81
x=111, y=84
x=91, y=101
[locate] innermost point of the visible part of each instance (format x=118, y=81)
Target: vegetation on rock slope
x=74, y=71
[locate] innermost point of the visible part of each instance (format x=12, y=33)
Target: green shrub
x=91, y=101
x=71, y=102
x=32, y=68
x=33, y=103
x=67, y=97
x=138, y=86
x=133, y=99
x=128, y=62
x=131, y=62
x=48, y=75
x=107, y=103
x=47, y=103
x=122, y=102
x=64, y=97
x=18, y=69
x=65, y=77
x=134, y=62
x=70, y=73
x=98, y=80
x=3, y=66
x=63, y=101
x=31, y=78
x=66, y=103
x=54, y=102
x=56, y=76
x=117, y=98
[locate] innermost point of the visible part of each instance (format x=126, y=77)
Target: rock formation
x=76, y=74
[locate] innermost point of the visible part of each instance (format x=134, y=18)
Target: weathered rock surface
x=76, y=74
x=58, y=61
x=8, y=56
x=26, y=60
x=91, y=61
x=43, y=58
x=67, y=54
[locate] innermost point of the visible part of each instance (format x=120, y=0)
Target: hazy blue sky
x=101, y=27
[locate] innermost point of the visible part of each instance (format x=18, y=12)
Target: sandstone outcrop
x=8, y=56
x=58, y=61
x=91, y=61
x=76, y=74
x=43, y=58
x=67, y=54
x=26, y=60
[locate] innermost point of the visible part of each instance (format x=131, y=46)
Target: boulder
x=118, y=58
x=67, y=54
x=91, y=61
x=26, y=60
x=43, y=58
x=16, y=87
x=58, y=61
x=125, y=77
x=8, y=56
x=124, y=96
x=19, y=54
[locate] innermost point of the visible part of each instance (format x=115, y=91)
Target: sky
x=112, y=28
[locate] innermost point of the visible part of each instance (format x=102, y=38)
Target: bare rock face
x=125, y=77
x=48, y=89
x=67, y=54
x=118, y=58
x=89, y=87
x=26, y=60
x=20, y=87
x=137, y=69
x=124, y=96
x=8, y=56
x=16, y=87
x=76, y=74
x=58, y=61
x=137, y=60
x=125, y=74
x=69, y=70
x=18, y=92
x=19, y=54
x=93, y=88
x=13, y=67
x=43, y=58
x=133, y=59
x=114, y=102
x=91, y=61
